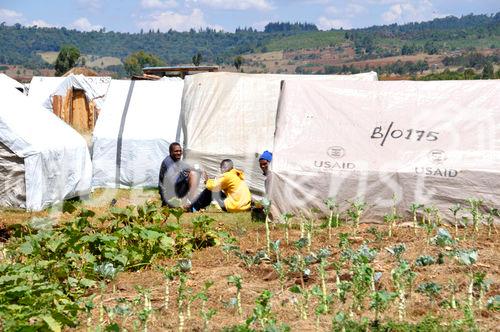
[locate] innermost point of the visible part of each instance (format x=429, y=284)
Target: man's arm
x=161, y=184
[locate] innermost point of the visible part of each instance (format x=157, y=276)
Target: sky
x=181, y=15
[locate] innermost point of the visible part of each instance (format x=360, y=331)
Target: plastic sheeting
x=7, y=80
x=138, y=121
x=95, y=88
x=57, y=163
x=433, y=143
x=231, y=115
x=43, y=88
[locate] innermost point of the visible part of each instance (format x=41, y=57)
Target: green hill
x=23, y=45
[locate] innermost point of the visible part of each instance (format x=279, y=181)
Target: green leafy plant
x=475, y=211
x=267, y=209
x=455, y=209
x=468, y=258
x=334, y=218
x=355, y=211
x=402, y=278
x=397, y=251
x=380, y=301
x=392, y=217
x=236, y=280
x=286, y=219
x=414, y=207
x=425, y=260
x=431, y=289
x=443, y=238
x=206, y=314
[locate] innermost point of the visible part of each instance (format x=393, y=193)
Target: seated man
x=176, y=178
x=264, y=162
x=230, y=190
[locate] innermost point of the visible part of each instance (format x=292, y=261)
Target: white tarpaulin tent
x=138, y=121
x=8, y=81
x=42, y=160
x=433, y=143
x=231, y=115
x=42, y=89
x=95, y=88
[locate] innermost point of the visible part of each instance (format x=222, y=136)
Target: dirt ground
x=216, y=265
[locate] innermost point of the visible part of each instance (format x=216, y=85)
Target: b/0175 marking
x=408, y=134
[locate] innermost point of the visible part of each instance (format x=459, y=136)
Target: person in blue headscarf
x=264, y=162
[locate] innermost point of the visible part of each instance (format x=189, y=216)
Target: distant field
x=307, y=40
x=49, y=57
x=90, y=60
x=102, y=62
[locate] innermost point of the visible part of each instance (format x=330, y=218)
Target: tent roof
x=10, y=81
x=27, y=128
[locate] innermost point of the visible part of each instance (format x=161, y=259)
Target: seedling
x=355, y=211
x=425, y=260
x=169, y=274
x=490, y=220
x=393, y=217
x=236, y=281
x=262, y=311
x=397, y=251
x=333, y=220
x=474, y=209
x=402, y=278
x=177, y=213
x=181, y=299
x=443, y=238
x=380, y=301
x=303, y=302
x=147, y=310
x=206, y=314
x=455, y=209
x=481, y=285
x=431, y=289
x=275, y=246
x=286, y=218
x=414, y=207
x=267, y=208
x=280, y=270
x=468, y=258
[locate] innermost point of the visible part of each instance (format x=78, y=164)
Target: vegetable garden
x=147, y=268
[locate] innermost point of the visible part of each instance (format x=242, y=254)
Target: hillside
x=282, y=47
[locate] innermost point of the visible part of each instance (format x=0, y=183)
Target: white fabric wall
x=443, y=146
x=56, y=159
x=150, y=125
x=231, y=115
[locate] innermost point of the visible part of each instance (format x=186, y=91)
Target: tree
x=197, y=59
x=488, y=71
x=469, y=74
x=66, y=59
x=238, y=61
x=136, y=61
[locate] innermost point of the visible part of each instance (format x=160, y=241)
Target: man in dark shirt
x=176, y=177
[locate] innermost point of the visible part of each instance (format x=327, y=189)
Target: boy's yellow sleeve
x=217, y=184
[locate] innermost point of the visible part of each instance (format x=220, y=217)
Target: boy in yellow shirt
x=230, y=190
